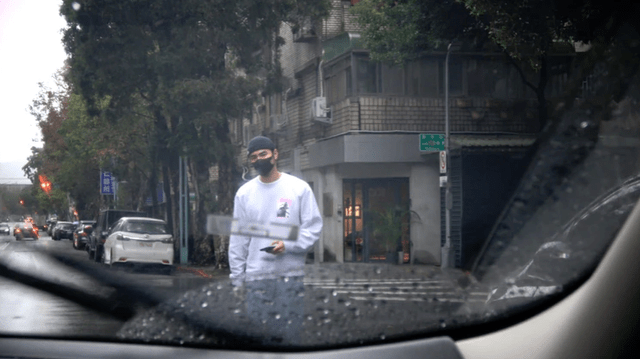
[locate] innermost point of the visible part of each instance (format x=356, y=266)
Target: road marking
x=399, y=290
x=4, y=246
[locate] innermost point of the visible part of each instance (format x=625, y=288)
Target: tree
x=396, y=31
x=188, y=66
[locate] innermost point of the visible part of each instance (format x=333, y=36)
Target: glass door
x=376, y=220
x=353, y=222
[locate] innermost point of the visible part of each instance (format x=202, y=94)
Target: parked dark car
x=81, y=234
x=106, y=219
x=5, y=229
x=25, y=230
x=63, y=230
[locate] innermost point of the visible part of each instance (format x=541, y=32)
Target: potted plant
x=389, y=225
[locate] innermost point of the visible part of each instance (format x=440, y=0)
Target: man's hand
x=279, y=247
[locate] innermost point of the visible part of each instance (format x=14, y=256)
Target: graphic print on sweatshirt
x=284, y=206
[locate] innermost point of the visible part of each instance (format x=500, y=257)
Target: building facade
x=352, y=128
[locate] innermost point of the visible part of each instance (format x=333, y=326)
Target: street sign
x=431, y=142
x=160, y=194
x=106, y=183
x=443, y=161
x=443, y=181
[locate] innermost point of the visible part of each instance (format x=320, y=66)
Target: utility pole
x=447, y=259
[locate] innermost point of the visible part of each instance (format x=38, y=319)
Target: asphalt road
x=25, y=309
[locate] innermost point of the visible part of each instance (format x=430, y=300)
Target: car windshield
x=325, y=173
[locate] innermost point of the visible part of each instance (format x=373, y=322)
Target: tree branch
x=522, y=75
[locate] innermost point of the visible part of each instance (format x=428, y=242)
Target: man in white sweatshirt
x=272, y=197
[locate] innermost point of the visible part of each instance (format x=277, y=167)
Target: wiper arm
x=123, y=303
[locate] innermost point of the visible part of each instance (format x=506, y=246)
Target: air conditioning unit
x=320, y=112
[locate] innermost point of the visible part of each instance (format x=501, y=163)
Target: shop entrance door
x=376, y=220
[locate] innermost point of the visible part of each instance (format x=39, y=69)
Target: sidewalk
x=337, y=271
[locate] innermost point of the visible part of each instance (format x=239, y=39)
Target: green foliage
x=390, y=225
x=391, y=28
x=10, y=202
x=396, y=31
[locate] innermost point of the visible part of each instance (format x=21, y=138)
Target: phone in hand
x=268, y=249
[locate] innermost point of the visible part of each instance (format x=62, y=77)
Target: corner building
x=352, y=129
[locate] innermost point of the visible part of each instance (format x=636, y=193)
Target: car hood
x=329, y=309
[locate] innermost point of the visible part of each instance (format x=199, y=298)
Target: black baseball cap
x=260, y=143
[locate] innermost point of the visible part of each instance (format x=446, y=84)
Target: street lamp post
x=446, y=253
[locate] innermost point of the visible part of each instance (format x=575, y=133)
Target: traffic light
x=45, y=184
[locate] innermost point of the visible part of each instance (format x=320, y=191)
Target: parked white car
x=139, y=240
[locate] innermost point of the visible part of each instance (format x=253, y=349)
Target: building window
x=366, y=76
x=392, y=79
x=422, y=78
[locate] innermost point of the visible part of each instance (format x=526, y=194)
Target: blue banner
x=160, y=193
x=106, y=183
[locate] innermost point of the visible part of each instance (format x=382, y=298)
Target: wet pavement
x=27, y=310
x=391, y=288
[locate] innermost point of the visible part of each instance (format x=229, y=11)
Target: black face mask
x=263, y=166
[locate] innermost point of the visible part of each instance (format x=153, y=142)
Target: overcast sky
x=30, y=52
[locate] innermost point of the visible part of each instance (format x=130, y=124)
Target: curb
x=199, y=272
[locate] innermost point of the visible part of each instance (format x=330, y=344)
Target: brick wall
x=428, y=114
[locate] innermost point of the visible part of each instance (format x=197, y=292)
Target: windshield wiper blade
x=126, y=301
x=98, y=303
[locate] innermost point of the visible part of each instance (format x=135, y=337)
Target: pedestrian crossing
x=398, y=290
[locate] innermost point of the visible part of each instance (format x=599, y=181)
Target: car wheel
x=168, y=270
x=110, y=258
x=103, y=258
x=97, y=256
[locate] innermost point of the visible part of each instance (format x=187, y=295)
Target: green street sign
x=431, y=142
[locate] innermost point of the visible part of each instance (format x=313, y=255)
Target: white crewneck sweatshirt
x=287, y=200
